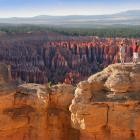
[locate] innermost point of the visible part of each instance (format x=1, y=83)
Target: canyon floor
x=106, y=106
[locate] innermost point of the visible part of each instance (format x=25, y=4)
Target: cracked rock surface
x=33, y=111
x=107, y=105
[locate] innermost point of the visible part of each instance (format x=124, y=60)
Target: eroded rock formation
x=33, y=111
x=107, y=105
x=104, y=107
x=42, y=57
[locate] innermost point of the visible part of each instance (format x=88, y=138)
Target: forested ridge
x=105, y=31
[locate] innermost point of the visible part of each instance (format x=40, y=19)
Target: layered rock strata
x=33, y=111
x=107, y=105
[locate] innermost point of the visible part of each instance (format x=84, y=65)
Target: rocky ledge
x=33, y=111
x=107, y=105
x=104, y=107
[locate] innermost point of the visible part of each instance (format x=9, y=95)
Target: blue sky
x=27, y=8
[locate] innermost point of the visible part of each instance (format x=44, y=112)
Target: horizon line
x=68, y=15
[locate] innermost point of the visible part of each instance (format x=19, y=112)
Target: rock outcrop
x=107, y=105
x=33, y=111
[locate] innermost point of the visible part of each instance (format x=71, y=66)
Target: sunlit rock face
x=33, y=111
x=107, y=105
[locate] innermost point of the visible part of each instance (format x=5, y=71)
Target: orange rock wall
x=107, y=105
x=32, y=113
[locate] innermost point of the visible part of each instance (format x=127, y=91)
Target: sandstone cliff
x=33, y=111
x=107, y=105
x=104, y=107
